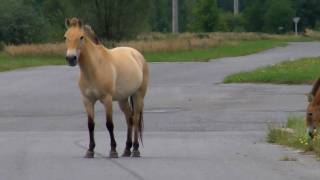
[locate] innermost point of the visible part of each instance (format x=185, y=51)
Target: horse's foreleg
x=109, y=123
x=89, y=106
x=125, y=108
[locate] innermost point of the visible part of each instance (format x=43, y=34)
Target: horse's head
x=313, y=118
x=74, y=38
x=313, y=109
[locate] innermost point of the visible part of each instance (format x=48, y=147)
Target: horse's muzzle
x=72, y=60
x=310, y=131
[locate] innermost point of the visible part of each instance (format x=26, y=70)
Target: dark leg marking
x=113, y=141
x=135, y=152
x=127, y=151
x=92, y=144
x=110, y=127
x=129, y=134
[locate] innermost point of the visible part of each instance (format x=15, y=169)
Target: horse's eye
x=65, y=38
x=81, y=38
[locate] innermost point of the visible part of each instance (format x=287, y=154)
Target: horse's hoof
x=89, y=154
x=113, y=154
x=126, y=153
x=135, y=153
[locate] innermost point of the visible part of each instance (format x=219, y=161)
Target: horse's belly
x=123, y=92
x=127, y=87
x=128, y=75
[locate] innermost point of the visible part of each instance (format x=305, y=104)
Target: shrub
x=20, y=23
x=2, y=46
x=231, y=23
x=279, y=14
x=206, y=16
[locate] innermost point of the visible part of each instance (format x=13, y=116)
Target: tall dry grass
x=150, y=42
x=36, y=49
x=158, y=42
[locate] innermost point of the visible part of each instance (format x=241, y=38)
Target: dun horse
x=108, y=75
x=313, y=109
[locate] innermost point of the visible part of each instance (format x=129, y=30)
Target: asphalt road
x=196, y=127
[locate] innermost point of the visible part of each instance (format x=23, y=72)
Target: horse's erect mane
x=314, y=92
x=91, y=34
x=315, y=87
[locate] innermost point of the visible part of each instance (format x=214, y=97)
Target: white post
x=296, y=21
x=175, y=20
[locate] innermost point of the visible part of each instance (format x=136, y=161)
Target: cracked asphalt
x=196, y=127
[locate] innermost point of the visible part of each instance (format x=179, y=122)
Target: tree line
x=29, y=21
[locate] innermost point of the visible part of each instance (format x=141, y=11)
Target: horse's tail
x=141, y=126
x=140, y=123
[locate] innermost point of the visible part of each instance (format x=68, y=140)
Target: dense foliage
x=26, y=21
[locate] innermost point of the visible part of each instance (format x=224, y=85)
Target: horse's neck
x=89, y=60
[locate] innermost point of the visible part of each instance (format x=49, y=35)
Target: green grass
x=227, y=49
x=10, y=63
x=297, y=139
x=302, y=71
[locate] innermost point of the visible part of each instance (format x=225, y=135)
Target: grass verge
x=232, y=48
x=228, y=49
x=293, y=134
x=302, y=71
x=10, y=63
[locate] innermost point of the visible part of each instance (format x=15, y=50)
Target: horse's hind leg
x=137, y=123
x=125, y=108
x=89, y=106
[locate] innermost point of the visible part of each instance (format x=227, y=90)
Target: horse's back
x=129, y=67
x=128, y=56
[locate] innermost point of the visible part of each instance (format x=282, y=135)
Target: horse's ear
x=67, y=23
x=80, y=23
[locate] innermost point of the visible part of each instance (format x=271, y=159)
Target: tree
x=160, y=15
x=55, y=14
x=111, y=19
x=230, y=22
x=308, y=11
x=279, y=14
x=226, y=5
x=254, y=15
x=206, y=16
x=114, y=19
x=20, y=23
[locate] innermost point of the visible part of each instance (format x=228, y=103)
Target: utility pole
x=175, y=19
x=236, y=7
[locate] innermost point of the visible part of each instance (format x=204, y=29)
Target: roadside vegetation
x=302, y=71
x=293, y=134
x=31, y=31
x=8, y=62
x=159, y=42
x=225, y=49
x=157, y=47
